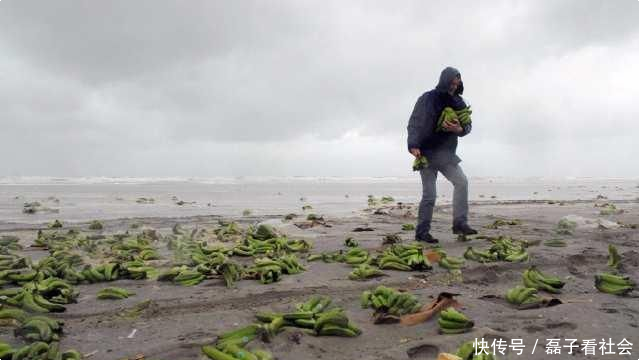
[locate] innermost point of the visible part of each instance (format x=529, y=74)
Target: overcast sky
x=231, y=88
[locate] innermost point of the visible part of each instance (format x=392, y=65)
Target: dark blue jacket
x=438, y=147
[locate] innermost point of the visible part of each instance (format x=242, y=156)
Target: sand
x=179, y=320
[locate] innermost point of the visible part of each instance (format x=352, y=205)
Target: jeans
x=456, y=176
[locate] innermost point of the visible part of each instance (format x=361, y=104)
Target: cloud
x=162, y=88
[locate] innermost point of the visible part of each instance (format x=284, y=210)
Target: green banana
x=467, y=350
x=29, y=304
x=72, y=355
x=535, y=279
x=215, y=354
x=50, y=306
x=334, y=317
x=13, y=313
x=420, y=163
x=614, y=258
x=298, y=315
x=332, y=330
x=113, y=293
x=613, y=284
x=451, y=314
x=37, y=330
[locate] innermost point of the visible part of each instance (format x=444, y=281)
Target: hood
x=446, y=76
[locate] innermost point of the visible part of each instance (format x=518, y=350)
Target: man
x=439, y=147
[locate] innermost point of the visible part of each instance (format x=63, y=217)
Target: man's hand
x=452, y=126
x=415, y=152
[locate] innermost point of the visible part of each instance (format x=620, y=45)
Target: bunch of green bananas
x=188, y=277
x=113, y=293
x=480, y=256
x=32, y=301
x=267, y=270
x=38, y=351
x=149, y=254
x=523, y=295
x=316, y=315
x=403, y=257
x=451, y=263
x=19, y=277
x=228, y=229
x=102, y=273
x=136, y=270
x=350, y=242
x=467, y=351
x=39, y=328
x=614, y=257
x=290, y=264
x=533, y=278
x=303, y=316
x=356, y=255
x=509, y=250
x=334, y=322
x=243, y=250
x=313, y=315
x=365, y=271
x=9, y=243
x=231, y=345
x=420, y=163
x=231, y=272
x=264, y=232
x=171, y=273
x=387, y=300
x=448, y=114
x=315, y=304
x=298, y=245
x=55, y=289
x=452, y=321
x=613, y=284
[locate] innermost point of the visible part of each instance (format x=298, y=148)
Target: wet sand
x=179, y=320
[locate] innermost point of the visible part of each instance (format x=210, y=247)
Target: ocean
x=87, y=198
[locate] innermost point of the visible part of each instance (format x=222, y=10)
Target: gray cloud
x=168, y=88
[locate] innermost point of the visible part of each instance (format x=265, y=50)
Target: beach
x=175, y=321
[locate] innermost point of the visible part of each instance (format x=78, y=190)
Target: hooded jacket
x=438, y=147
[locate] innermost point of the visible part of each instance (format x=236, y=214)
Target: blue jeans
x=455, y=175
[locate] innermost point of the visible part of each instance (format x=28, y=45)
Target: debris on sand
x=608, y=209
x=391, y=238
x=145, y=200
x=55, y=224
x=290, y=216
x=566, y=227
x=33, y=207
x=95, y=225
x=363, y=229
x=503, y=222
x=555, y=243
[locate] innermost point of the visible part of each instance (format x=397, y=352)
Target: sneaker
x=428, y=238
x=464, y=229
